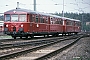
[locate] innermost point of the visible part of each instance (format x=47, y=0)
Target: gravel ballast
x=79, y=51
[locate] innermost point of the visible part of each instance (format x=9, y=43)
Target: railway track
x=20, y=48
x=8, y=45
x=12, y=41
x=25, y=42
x=49, y=51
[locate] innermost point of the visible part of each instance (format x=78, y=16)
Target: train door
x=64, y=25
x=48, y=24
x=32, y=18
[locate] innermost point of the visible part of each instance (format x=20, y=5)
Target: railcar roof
x=21, y=10
x=71, y=19
x=27, y=10
x=31, y=11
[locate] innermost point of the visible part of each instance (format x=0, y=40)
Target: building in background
x=87, y=23
x=1, y=26
x=1, y=22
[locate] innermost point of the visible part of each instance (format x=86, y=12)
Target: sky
x=48, y=6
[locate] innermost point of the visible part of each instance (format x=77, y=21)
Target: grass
x=5, y=37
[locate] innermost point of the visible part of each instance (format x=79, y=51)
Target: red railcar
x=71, y=26
x=23, y=23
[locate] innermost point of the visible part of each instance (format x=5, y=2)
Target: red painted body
x=35, y=23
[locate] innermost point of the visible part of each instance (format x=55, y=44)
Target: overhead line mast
x=34, y=5
x=63, y=8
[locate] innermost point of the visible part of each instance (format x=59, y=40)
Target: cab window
x=22, y=18
x=7, y=17
x=14, y=18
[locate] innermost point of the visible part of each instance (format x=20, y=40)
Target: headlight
x=22, y=25
x=6, y=25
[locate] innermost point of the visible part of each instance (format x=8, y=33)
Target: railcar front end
x=16, y=25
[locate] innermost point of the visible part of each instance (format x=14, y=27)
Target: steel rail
x=31, y=49
x=48, y=55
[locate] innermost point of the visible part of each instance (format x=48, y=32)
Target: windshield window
x=22, y=18
x=14, y=18
x=7, y=17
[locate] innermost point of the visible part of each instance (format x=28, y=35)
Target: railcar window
x=22, y=18
x=7, y=17
x=14, y=18
x=36, y=19
x=56, y=21
x=41, y=19
x=33, y=18
x=69, y=23
x=77, y=23
x=51, y=20
x=61, y=21
x=46, y=19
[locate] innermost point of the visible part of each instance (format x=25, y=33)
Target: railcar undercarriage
x=15, y=34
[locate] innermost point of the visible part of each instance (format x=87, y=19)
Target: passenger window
x=36, y=19
x=77, y=23
x=67, y=23
x=61, y=21
x=41, y=19
x=7, y=17
x=54, y=21
x=70, y=23
x=33, y=18
x=51, y=20
x=46, y=19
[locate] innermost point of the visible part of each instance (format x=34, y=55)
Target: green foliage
x=78, y=16
x=87, y=27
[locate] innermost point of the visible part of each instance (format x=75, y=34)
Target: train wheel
x=26, y=37
x=14, y=37
x=32, y=36
x=56, y=35
x=45, y=35
x=20, y=37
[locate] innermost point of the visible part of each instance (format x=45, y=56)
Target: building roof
x=1, y=23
